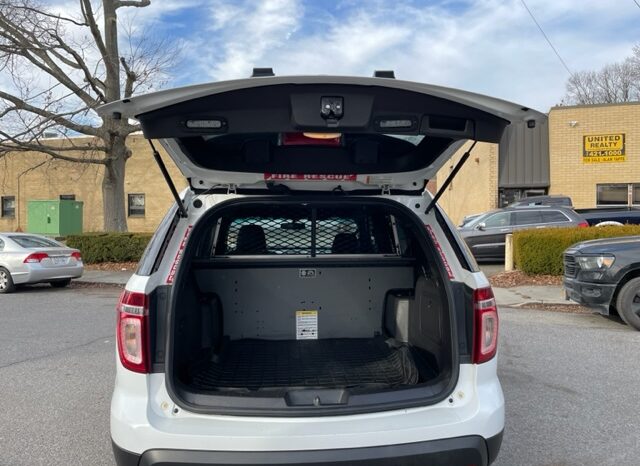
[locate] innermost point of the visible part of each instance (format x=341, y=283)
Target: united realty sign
x=602, y=148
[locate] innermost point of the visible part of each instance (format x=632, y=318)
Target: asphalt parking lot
x=570, y=381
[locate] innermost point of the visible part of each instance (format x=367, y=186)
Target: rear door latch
x=331, y=108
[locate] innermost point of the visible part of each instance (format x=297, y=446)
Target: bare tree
x=60, y=68
x=616, y=82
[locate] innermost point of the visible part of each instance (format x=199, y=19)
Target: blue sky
x=487, y=46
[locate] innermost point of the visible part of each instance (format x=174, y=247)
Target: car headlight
x=595, y=262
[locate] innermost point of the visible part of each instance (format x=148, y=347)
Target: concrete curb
x=528, y=295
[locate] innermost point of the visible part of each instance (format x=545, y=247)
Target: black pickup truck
x=604, y=274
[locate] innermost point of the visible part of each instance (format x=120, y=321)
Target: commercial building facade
x=26, y=176
x=595, y=154
x=590, y=153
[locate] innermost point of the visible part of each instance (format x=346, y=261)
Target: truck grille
x=570, y=266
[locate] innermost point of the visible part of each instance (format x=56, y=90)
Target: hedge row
x=539, y=252
x=109, y=247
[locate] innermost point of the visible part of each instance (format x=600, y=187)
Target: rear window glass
x=530, y=217
x=554, y=216
x=34, y=242
x=301, y=231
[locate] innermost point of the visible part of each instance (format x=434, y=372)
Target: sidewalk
x=519, y=295
x=515, y=296
x=103, y=276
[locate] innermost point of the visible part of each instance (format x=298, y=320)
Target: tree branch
x=49, y=150
x=131, y=78
x=30, y=48
x=49, y=15
x=138, y=4
x=87, y=13
x=20, y=104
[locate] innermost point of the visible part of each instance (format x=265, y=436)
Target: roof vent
x=262, y=72
x=384, y=74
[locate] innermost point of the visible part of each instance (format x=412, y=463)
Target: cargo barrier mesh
x=294, y=230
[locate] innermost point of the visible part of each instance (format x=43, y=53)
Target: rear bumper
x=594, y=295
x=461, y=450
x=36, y=273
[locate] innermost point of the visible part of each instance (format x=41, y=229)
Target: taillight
x=583, y=224
x=35, y=257
x=485, y=325
x=131, y=332
x=76, y=255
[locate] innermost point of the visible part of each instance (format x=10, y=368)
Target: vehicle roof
x=530, y=207
x=21, y=233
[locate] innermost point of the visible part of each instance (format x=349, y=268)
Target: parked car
x=26, y=258
x=305, y=301
x=486, y=234
x=551, y=200
x=606, y=216
x=604, y=274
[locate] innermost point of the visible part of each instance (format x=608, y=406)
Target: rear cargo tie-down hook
x=450, y=178
x=167, y=178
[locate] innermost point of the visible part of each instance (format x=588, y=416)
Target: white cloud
x=245, y=33
x=489, y=46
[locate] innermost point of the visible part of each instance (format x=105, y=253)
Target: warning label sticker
x=306, y=325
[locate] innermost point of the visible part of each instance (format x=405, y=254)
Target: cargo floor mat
x=258, y=364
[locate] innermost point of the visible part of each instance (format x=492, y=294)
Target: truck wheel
x=628, y=303
x=6, y=282
x=609, y=223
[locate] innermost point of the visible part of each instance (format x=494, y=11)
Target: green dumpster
x=54, y=217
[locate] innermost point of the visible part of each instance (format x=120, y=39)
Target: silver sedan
x=28, y=258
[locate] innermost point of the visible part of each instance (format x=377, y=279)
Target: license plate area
x=60, y=260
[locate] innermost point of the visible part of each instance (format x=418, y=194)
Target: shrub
x=539, y=252
x=109, y=247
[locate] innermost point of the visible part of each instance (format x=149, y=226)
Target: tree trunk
x=113, y=201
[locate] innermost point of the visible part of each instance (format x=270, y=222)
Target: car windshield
x=34, y=242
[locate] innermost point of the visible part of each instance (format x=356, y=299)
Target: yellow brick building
x=595, y=183
x=28, y=176
x=590, y=181
x=475, y=187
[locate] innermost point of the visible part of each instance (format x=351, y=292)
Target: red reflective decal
x=308, y=177
x=440, y=251
x=176, y=261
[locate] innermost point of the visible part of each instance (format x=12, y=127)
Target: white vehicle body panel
x=143, y=415
x=142, y=418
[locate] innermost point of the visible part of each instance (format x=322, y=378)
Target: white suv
x=305, y=301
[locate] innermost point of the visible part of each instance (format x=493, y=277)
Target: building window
x=8, y=206
x=612, y=194
x=136, y=205
x=636, y=194
x=67, y=197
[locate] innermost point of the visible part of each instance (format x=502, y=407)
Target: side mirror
x=481, y=226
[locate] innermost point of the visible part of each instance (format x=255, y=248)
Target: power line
x=547, y=38
x=636, y=2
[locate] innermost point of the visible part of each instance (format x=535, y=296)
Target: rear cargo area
x=283, y=302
